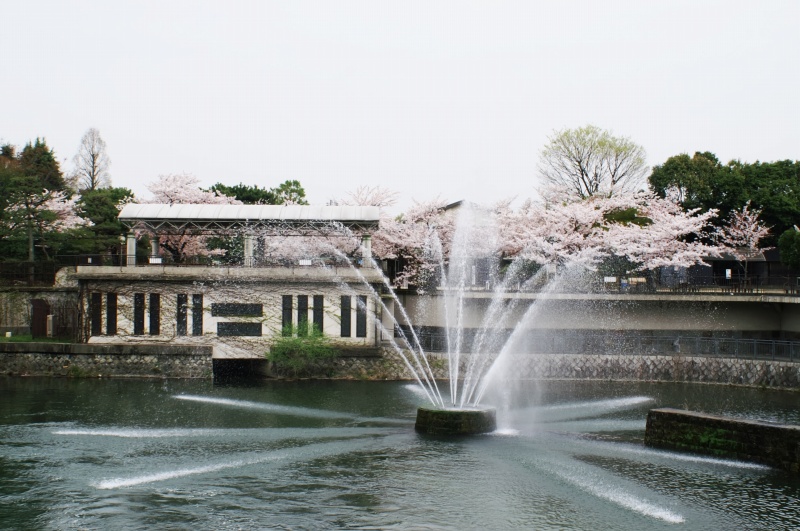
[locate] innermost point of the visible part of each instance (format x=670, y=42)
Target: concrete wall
x=620, y=312
x=15, y=305
x=771, y=444
x=231, y=286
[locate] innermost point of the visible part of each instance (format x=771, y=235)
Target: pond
x=188, y=454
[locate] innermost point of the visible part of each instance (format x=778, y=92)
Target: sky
x=444, y=100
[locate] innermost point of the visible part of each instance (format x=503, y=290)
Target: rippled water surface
x=174, y=454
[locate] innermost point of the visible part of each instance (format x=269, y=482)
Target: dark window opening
x=361, y=316
x=197, y=315
x=96, y=312
x=138, y=314
x=345, y=322
x=286, y=315
x=238, y=329
x=181, y=321
x=111, y=314
x=155, y=314
x=231, y=309
x=302, y=315
x=316, y=312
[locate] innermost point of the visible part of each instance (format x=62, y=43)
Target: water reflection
x=91, y=454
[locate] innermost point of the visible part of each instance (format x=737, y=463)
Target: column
x=130, y=249
x=366, y=250
x=154, y=251
x=248, y=250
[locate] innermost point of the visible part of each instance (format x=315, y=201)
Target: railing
x=202, y=261
x=42, y=273
x=629, y=343
x=37, y=273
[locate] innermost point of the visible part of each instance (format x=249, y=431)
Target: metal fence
x=628, y=343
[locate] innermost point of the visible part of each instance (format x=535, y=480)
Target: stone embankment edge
x=749, y=440
x=184, y=361
x=105, y=360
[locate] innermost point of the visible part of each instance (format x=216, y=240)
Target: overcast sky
x=433, y=99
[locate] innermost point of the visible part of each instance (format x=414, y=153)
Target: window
x=138, y=314
x=302, y=315
x=96, y=313
x=317, y=312
x=181, y=321
x=361, y=316
x=111, y=314
x=345, y=321
x=197, y=315
x=155, y=314
x=286, y=315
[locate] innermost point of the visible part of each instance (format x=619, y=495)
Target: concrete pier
x=768, y=443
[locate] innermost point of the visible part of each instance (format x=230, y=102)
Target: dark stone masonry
x=771, y=444
x=91, y=361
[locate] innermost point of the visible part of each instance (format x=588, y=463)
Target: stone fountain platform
x=466, y=421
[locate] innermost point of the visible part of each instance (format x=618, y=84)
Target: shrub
x=299, y=349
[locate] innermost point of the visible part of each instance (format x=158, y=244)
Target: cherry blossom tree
x=646, y=230
x=184, y=189
x=420, y=240
x=742, y=233
x=370, y=196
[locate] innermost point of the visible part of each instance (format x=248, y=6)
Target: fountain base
x=470, y=421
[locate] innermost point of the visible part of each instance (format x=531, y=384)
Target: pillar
x=130, y=249
x=248, y=250
x=366, y=250
x=154, y=251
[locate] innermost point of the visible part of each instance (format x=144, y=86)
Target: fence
x=627, y=343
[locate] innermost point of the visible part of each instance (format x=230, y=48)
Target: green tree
x=247, y=194
x=589, y=161
x=101, y=207
x=39, y=161
x=291, y=192
x=704, y=183
x=33, y=200
x=789, y=247
x=286, y=192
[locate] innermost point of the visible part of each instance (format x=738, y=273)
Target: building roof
x=301, y=219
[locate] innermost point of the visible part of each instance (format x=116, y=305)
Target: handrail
x=632, y=344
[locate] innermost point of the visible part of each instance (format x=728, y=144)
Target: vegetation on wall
x=300, y=349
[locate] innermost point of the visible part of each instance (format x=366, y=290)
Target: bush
x=300, y=349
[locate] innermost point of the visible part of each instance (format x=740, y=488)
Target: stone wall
x=756, y=373
x=71, y=360
x=658, y=368
x=57, y=359
x=772, y=444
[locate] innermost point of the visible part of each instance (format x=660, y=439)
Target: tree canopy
x=589, y=161
x=288, y=192
x=92, y=162
x=702, y=182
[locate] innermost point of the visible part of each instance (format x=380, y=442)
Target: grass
x=27, y=338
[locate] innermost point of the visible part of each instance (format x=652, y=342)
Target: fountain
x=105, y=453
x=470, y=364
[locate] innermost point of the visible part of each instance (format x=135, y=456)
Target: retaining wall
x=57, y=359
x=82, y=360
x=676, y=368
x=772, y=444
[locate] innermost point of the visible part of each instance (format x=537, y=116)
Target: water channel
x=186, y=454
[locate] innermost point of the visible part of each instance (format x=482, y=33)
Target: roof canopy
x=273, y=219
